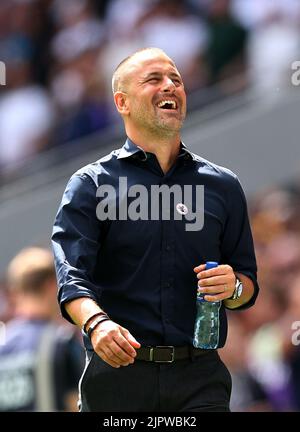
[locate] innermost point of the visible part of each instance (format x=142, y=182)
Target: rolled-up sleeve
x=237, y=245
x=76, y=242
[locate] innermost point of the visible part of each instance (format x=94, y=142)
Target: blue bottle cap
x=211, y=264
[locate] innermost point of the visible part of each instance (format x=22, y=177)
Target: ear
x=121, y=102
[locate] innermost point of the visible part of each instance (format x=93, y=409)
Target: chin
x=171, y=125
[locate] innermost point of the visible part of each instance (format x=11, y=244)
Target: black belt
x=168, y=354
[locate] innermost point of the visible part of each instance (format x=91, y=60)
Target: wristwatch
x=237, y=290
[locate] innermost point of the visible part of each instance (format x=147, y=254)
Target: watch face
x=239, y=290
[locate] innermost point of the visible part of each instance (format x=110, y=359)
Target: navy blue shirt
x=141, y=271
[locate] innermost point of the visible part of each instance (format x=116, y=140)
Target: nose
x=168, y=85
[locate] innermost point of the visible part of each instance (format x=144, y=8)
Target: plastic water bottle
x=206, y=331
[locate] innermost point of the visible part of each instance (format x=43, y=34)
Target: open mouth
x=167, y=104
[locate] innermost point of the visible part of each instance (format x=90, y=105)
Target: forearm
x=81, y=309
x=113, y=343
x=248, y=291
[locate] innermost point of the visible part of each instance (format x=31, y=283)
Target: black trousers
x=199, y=384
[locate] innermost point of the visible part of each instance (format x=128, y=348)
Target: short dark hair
x=117, y=75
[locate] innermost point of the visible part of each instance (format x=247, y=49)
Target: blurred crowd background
x=59, y=57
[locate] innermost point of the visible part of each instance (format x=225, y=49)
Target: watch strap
x=236, y=293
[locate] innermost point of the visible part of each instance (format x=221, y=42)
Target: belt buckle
x=172, y=354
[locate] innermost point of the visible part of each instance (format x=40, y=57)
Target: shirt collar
x=184, y=151
x=129, y=149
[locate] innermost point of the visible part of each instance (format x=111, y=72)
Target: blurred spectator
x=292, y=338
x=60, y=55
x=41, y=359
x=117, y=27
x=77, y=88
x=5, y=309
x=273, y=360
x=26, y=111
x=274, y=353
x=247, y=394
x=268, y=366
x=274, y=40
x=287, y=331
x=227, y=44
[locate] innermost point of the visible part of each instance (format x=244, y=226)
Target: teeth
x=165, y=102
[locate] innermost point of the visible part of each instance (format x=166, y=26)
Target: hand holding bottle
x=215, y=282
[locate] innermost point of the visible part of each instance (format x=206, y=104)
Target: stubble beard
x=159, y=126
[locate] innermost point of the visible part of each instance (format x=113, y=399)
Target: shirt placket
x=167, y=270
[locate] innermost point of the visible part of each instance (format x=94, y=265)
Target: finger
x=216, y=271
x=223, y=269
x=109, y=351
x=217, y=297
x=127, y=342
x=133, y=341
x=213, y=289
x=120, y=354
x=214, y=280
x=199, y=268
x=105, y=358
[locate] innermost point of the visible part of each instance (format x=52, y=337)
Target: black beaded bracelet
x=90, y=318
x=96, y=322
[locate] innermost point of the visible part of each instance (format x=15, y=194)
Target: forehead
x=146, y=63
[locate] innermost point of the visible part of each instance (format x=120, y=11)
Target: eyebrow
x=159, y=74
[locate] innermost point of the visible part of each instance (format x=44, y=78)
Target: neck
x=166, y=148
